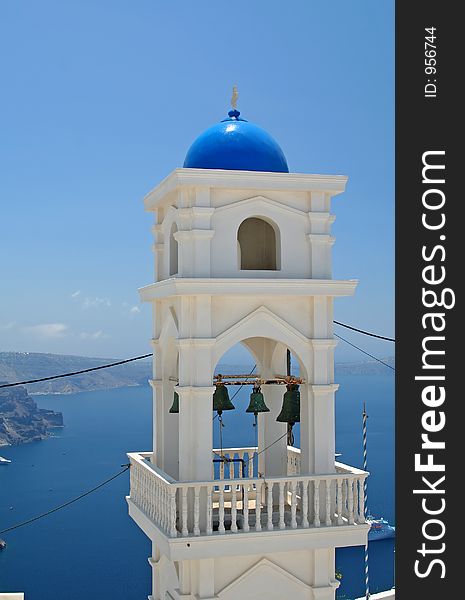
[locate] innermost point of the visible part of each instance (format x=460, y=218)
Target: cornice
x=217, y=178
x=181, y=286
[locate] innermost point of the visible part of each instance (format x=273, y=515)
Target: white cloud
x=93, y=336
x=90, y=301
x=8, y=326
x=95, y=303
x=134, y=310
x=47, y=330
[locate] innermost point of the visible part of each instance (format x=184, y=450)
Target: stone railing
x=246, y=504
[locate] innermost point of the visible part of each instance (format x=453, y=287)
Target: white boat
x=380, y=529
x=4, y=461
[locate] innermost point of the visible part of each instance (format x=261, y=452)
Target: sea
x=92, y=549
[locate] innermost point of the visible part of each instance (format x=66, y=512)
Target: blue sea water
x=92, y=549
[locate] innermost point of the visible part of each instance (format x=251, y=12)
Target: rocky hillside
x=21, y=366
x=20, y=418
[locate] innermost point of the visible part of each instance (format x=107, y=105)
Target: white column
x=321, y=254
x=153, y=562
x=195, y=432
x=307, y=429
x=206, y=579
x=170, y=432
x=273, y=462
x=323, y=426
x=324, y=583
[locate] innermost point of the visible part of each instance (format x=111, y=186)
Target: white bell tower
x=243, y=255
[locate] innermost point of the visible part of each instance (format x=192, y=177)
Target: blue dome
x=236, y=144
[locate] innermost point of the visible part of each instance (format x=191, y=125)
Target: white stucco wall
x=208, y=306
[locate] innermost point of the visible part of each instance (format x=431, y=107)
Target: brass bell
x=290, y=411
x=221, y=399
x=257, y=402
x=175, y=406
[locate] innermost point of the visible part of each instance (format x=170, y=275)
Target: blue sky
x=101, y=100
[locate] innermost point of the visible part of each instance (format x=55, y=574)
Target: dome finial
x=234, y=113
x=234, y=97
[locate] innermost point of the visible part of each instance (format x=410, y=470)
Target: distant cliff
x=367, y=367
x=20, y=418
x=21, y=366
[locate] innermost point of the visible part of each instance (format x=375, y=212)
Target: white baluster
x=232, y=467
x=185, y=531
x=153, y=484
x=293, y=504
x=196, y=510
x=146, y=493
x=258, y=506
x=154, y=500
x=328, y=503
x=165, y=508
x=356, y=506
x=245, y=510
x=173, y=532
x=209, y=510
x=240, y=464
x=250, y=464
x=345, y=512
x=222, y=470
x=362, y=502
x=162, y=506
x=234, y=510
x=269, y=505
x=316, y=503
x=142, y=491
x=305, y=504
x=282, y=524
x=350, y=485
x=145, y=506
x=221, y=527
x=339, y=501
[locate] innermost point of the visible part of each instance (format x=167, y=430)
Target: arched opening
x=240, y=435
x=258, y=245
x=173, y=251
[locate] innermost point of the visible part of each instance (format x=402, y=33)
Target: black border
x=424, y=124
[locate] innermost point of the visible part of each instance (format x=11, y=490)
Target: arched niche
x=258, y=245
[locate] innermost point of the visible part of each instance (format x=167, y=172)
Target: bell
x=221, y=399
x=290, y=411
x=175, y=406
x=257, y=402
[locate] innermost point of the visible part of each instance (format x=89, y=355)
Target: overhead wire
x=364, y=352
x=65, y=504
x=120, y=362
x=375, y=335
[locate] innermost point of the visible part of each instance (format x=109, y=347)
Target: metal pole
x=365, y=496
x=290, y=435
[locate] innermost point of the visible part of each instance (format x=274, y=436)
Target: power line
x=375, y=335
x=242, y=384
x=364, y=352
x=49, y=512
x=120, y=362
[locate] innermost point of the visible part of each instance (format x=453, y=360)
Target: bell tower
x=243, y=255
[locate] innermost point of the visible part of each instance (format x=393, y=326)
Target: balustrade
x=246, y=504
